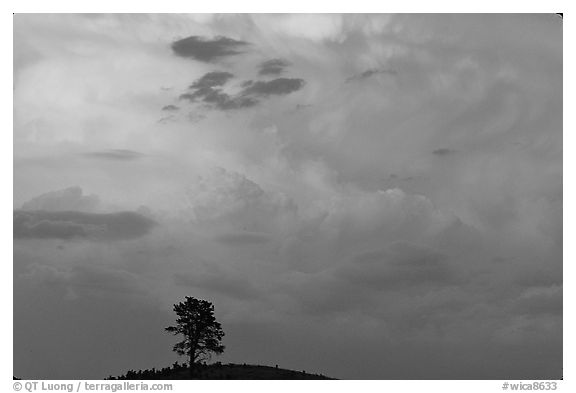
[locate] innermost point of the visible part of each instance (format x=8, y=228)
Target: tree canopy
x=197, y=324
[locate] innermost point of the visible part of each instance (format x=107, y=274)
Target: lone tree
x=202, y=333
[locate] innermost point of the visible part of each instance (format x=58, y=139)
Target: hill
x=219, y=371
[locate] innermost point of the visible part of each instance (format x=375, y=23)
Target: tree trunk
x=192, y=355
x=191, y=365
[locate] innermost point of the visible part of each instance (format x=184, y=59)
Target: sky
x=364, y=196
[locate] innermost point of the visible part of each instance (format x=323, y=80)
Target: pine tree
x=202, y=333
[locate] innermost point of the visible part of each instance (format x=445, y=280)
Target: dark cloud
x=206, y=49
x=237, y=103
x=444, y=152
x=205, y=94
x=279, y=86
x=273, y=67
x=170, y=108
x=208, y=90
x=218, y=99
x=369, y=73
x=116, y=154
x=79, y=225
x=212, y=79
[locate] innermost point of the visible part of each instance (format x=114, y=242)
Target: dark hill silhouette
x=218, y=371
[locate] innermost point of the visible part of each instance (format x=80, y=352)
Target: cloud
x=206, y=49
x=212, y=79
x=443, y=152
x=207, y=90
x=239, y=238
x=80, y=279
x=105, y=280
x=170, y=108
x=370, y=73
x=116, y=155
x=314, y=27
x=71, y=198
x=219, y=282
x=399, y=266
x=306, y=233
x=66, y=296
x=67, y=225
x=279, y=86
x=225, y=196
x=273, y=67
x=539, y=301
x=218, y=99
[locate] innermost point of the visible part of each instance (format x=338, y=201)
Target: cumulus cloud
x=68, y=225
x=228, y=196
x=208, y=49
